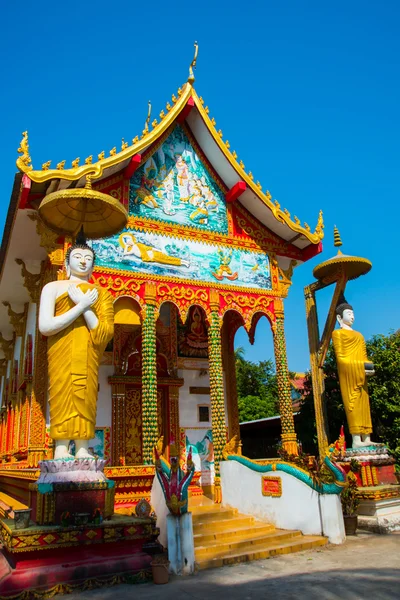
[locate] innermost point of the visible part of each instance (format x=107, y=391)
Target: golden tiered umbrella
x=66, y=211
x=350, y=266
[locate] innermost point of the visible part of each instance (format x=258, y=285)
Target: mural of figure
x=144, y=194
x=200, y=214
x=169, y=197
x=211, y=201
x=202, y=453
x=182, y=178
x=132, y=247
x=197, y=335
x=224, y=269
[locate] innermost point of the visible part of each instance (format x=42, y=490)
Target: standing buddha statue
x=78, y=319
x=353, y=368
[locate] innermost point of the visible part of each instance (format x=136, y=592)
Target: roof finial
x=193, y=64
x=146, y=125
x=337, y=240
x=24, y=162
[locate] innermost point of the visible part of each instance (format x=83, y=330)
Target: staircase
x=223, y=536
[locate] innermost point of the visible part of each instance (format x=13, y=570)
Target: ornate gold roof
x=96, y=168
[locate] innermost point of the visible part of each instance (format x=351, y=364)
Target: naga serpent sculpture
x=232, y=452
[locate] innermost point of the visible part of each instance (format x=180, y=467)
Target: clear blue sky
x=308, y=93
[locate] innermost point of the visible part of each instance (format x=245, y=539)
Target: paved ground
x=367, y=566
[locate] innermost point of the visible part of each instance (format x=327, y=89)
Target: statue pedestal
x=72, y=492
x=377, y=466
x=379, y=509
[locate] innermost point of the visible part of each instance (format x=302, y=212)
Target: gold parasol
x=350, y=266
x=66, y=211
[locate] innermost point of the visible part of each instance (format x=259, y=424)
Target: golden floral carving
x=17, y=320
x=47, y=237
x=7, y=346
x=119, y=285
x=32, y=281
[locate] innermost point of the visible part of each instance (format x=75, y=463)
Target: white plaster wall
x=104, y=400
x=299, y=507
x=188, y=412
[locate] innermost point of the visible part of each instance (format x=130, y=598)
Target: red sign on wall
x=271, y=486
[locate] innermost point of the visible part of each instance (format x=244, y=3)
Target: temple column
x=229, y=363
x=18, y=322
x=37, y=389
x=288, y=435
x=149, y=375
x=216, y=389
x=173, y=401
x=118, y=424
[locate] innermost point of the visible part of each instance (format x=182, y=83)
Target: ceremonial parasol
x=66, y=211
x=341, y=264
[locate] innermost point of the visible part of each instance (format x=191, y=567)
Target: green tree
x=384, y=388
x=257, y=388
x=384, y=393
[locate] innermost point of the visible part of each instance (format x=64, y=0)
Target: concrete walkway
x=366, y=566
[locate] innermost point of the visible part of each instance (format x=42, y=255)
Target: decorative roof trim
x=283, y=216
x=96, y=170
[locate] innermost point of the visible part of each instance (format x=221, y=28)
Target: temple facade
x=205, y=252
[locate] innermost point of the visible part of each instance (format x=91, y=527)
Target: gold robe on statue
x=351, y=354
x=74, y=356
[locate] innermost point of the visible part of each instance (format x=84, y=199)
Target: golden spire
x=319, y=230
x=191, y=78
x=337, y=240
x=24, y=160
x=146, y=125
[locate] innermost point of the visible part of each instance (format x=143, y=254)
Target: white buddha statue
x=78, y=319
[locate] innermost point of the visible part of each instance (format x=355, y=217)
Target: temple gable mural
x=174, y=186
x=152, y=253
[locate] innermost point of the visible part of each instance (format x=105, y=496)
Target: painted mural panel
x=155, y=254
x=174, y=186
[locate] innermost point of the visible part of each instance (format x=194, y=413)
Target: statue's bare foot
x=62, y=453
x=83, y=453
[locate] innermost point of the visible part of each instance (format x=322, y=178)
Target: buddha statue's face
x=81, y=263
x=347, y=318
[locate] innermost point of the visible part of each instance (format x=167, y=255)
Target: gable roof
x=186, y=106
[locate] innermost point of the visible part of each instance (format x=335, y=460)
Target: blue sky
x=308, y=93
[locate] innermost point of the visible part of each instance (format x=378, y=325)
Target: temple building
x=205, y=252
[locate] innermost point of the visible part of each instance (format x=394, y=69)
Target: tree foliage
x=384, y=393
x=256, y=387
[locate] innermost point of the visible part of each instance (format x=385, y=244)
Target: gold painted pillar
x=50, y=270
x=149, y=375
x=216, y=389
x=118, y=424
x=229, y=363
x=288, y=435
x=173, y=401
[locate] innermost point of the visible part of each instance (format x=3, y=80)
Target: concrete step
x=296, y=544
x=257, y=529
x=206, y=508
x=214, y=515
x=246, y=544
x=209, y=526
